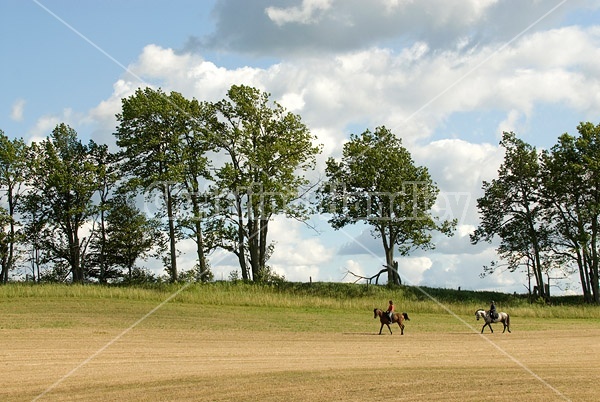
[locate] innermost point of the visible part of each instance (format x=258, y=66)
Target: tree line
x=544, y=206
x=214, y=173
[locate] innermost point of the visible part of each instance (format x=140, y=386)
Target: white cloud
x=18, y=108
x=46, y=124
x=411, y=269
x=298, y=256
x=305, y=14
x=458, y=166
x=293, y=102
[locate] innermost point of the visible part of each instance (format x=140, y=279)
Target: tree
x=267, y=149
x=130, y=235
x=5, y=243
x=511, y=210
x=13, y=171
x=63, y=183
x=571, y=178
x=377, y=183
x=107, y=171
x=195, y=144
x=33, y=218
x=151, y=132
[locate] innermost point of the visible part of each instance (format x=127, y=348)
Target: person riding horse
x=493, y=313
x=390, y=311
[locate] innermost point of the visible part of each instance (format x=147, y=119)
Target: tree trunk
x=202, y=268
x=392, y=266
x=594, y=265
x=253, y=248
x=11, y=241
x=102, y=261
x=4, y=263
x=583, y=276
x=539, y=279
x=241, y=253
x=76, y=268
x=264, y=226
x=537, y=267
x=172, y=243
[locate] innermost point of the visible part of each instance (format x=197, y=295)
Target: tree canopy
x=376, y=182
x=266, y=148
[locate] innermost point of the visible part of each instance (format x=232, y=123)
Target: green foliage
x=138, y=276
x=64, y=179
x=130, y=235
x=57, y=273
x=546, y=210
x=151, y=127
x=377, y=182
x=266, y=147
x=13, y=174
x=571, y=180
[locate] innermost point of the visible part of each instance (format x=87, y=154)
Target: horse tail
x=508, y=321
x=405, y=316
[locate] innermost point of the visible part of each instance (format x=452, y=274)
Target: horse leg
x=488, y=325
x=399, y=322
x=380, y=329
x=388, y=325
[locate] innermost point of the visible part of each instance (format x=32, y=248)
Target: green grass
x=53, y=301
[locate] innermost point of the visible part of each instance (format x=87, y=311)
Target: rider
x=493, y=314
x=390, y=311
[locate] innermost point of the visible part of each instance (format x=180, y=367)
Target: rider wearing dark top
x=493, y=314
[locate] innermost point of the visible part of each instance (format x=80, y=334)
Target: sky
x=447, y=77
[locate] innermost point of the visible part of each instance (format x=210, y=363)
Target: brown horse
x=385, y=320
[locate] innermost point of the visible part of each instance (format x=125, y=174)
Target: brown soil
x=150, y=364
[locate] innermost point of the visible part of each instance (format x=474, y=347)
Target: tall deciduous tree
x=13, y=171
x=377, y=183
x=151, y=132
x=511, y=210
x=107, y=173
x=195, y=144
x=63, y=185
x=267, y=149
x=571, y=178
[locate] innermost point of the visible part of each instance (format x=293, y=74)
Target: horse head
x=375, y=312
x=480, y=314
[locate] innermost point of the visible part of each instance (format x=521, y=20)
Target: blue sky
x=447, y=77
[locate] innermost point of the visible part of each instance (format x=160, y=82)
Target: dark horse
x=385, y=320
x=485, y=316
